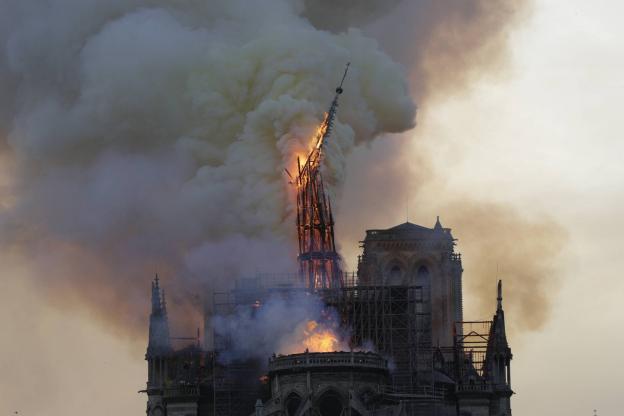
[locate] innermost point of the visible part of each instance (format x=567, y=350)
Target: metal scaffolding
x=396, y=322
x=236, y=384
x=471, y=344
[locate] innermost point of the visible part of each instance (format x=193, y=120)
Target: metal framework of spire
x=319, y=263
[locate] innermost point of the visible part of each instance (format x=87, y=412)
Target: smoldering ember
x=389, y=339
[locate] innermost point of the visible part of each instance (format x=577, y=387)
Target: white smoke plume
x=144, y=136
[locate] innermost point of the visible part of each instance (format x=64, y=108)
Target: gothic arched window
x=395, y=275
x=293, y=402
x=330, y=404
x=423, y=280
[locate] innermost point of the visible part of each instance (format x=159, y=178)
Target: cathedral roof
x=408, y=227
x=409, y=230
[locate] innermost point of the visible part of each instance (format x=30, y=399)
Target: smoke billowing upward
x=524, y=250
x=147, y=135
x=491, y=234
x=446, y=43
x=434, y=39
x=150, y=136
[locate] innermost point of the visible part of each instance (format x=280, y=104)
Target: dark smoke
x=144, y=136
x=492, y=235
x=446, y=44
x=279, y=325
x=151, y=136
x=340, y=15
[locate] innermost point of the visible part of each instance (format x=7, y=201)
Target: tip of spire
x=339, y=89
x=438, y=225
x=499, y=298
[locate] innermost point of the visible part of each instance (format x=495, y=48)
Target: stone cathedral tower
x=158, y=349
x=412, y=255
x=406, y=305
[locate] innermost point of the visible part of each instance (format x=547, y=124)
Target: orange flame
x=317, y=338
x=313, y=144
x=320, y=131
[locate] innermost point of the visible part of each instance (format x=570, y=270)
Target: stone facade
x=409, y=292
x=412, y=255
x=329, y=384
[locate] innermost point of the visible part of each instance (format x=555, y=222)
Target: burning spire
x=319, y=263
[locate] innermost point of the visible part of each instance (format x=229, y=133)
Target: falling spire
x=331, y=114
x=319, y=263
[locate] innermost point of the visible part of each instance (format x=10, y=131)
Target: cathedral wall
x=182, y=409
x=425, y=260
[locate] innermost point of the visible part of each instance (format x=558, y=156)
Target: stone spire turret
x=438, y=225
x=155, y=296
x=163, y=304
x=498, y=335
x=158, y=351
x=159, y=323
x=498, y=358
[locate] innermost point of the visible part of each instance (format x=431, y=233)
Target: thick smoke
x=281, y=325
x=146, y=135
x=496, y=239
x=446, y=44
x=498, y=242
x=151, y=136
